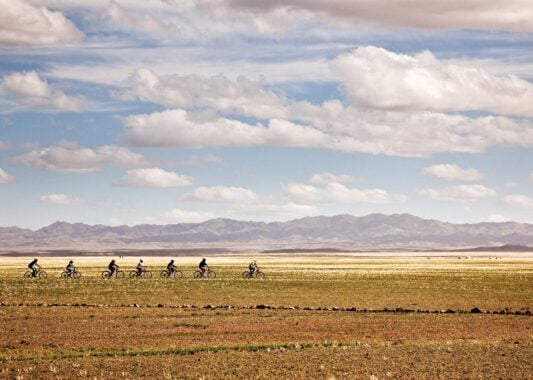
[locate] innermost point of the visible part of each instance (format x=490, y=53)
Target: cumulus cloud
x=144, y=22
x=377, y=78
x=450, y=14
x=4, y=177
x=222, y=194
x=73, y=158
x=176, y=128
x=460, y=193
x=155, y=177
x=325, y=178
x=519, y=201
x=453, y=172
x=241, y=96
x=334, y=192
x=59, y=199
x=331, y=188
x=178, y=215
x=33, y=90
x=22, y=23
x=496, y=218
x=333, y=126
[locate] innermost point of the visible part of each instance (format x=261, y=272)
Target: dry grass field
x=312, y=317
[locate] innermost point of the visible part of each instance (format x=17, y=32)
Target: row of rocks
x=474, y=310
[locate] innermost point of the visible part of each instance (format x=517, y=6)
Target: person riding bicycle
x=113, y=268
x=140, y=268
x=35, y=268
x=70, y=268
x=171, y=268
x=203, y=267
x=252, y=267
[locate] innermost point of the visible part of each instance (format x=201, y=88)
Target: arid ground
x=312, y=317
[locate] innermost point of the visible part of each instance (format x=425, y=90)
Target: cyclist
x=70, y=268
x=140, y=267
x=171, y=268
x=203, y=267
x=252, y=267
x=113, y=268
x=35, y=268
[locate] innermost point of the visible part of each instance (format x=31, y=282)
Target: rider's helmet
x=172, y=261
x=71, y=262
x=141, y=260
x=113, y=260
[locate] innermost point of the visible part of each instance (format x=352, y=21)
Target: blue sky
x=130, y=111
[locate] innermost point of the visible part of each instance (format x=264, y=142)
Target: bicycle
x=143, y=274
x=40, y=274
x=107, y=274
x=209, y=273
x=256, y=274
x=174, y=274
x=66, y=274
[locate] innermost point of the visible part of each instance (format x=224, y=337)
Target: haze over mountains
x=374, y=231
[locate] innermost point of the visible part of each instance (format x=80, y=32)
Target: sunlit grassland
x=112, y=339
x=411, y=284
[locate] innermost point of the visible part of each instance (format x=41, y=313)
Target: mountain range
x=374, y=231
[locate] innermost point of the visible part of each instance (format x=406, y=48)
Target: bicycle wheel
x=42, y=274
x=64, y=274
x=76, y=274
x=260, y=275
x=197, y=274
x=120, y=274
x=147, y=274
x=28, y=274
x=106, y=274
x=133, y=274
x=246, y=275
x=211, y=274
x=178, y=274
x=164, y=274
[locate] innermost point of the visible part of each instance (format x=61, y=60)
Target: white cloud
x=496, y=218
x=334, y=192
x=155, y=177
x=5, y=177
x=333, y=126
x=24, y=24
x=177, y=128
x=33, y=90
x=460, y=193
x=325, y=178
x=145, y=22
x=222, y=194
x=59, y=199
x=178, y=215
x=241, y=96
x=514, y=15
x=519, y=200
x=453, y=172
x=377, y=78
x=72, y=158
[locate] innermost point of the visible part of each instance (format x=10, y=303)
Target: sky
x=170, y=111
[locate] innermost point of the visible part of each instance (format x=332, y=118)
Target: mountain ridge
x=339, y=231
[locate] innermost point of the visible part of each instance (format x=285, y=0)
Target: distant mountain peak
x=339, y=231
